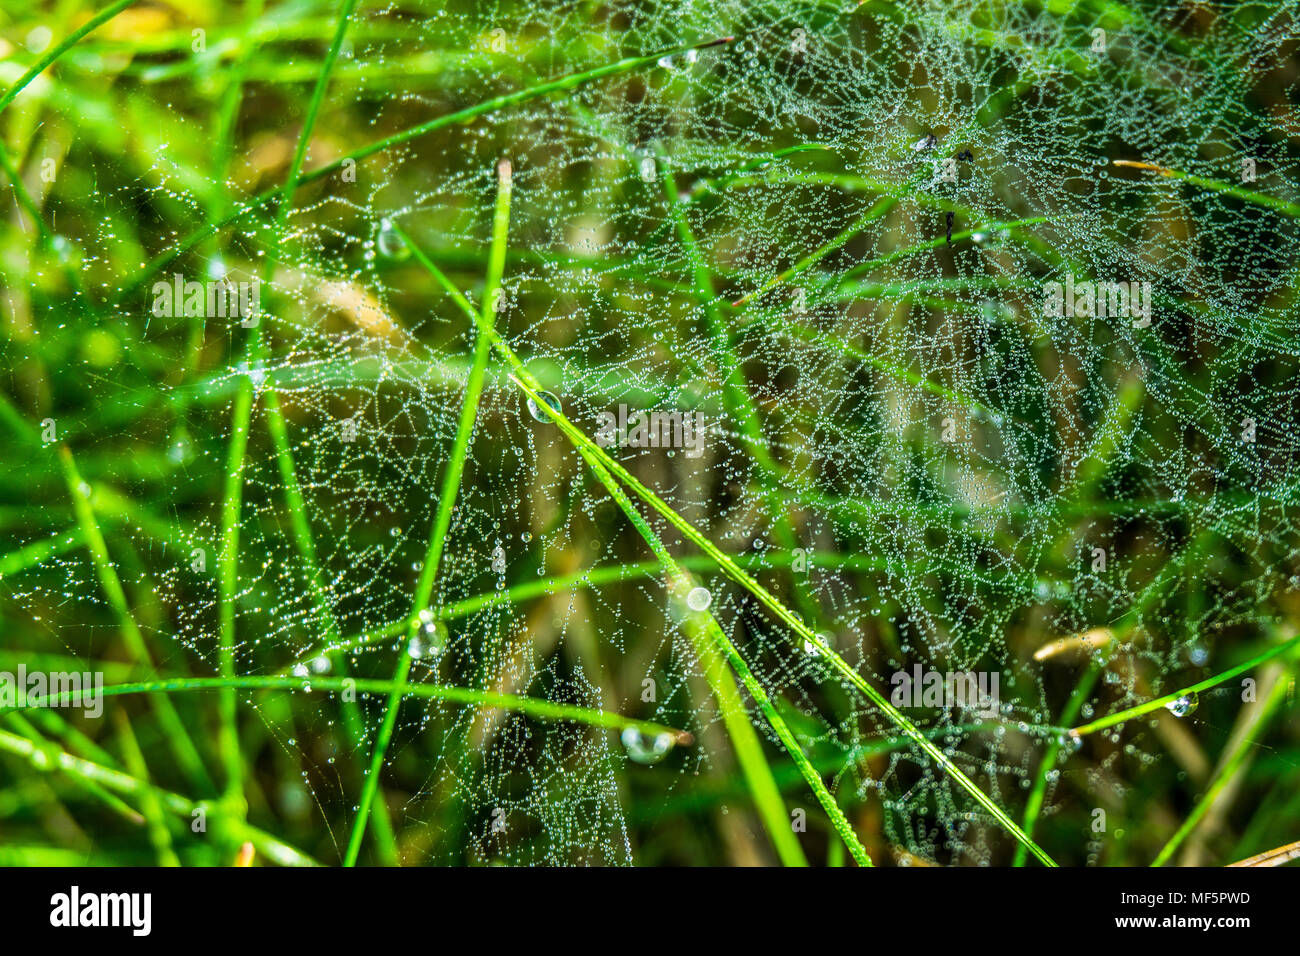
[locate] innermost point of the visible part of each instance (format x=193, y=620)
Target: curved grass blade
x=810, y=639
x=710, y=639
x=62, y=47
x=450, y=487
x=748, y=749
x=569, y=82
x=1151, y=705
x=529, y=706
x=1214, y=185
x=119, y=782
x=183, y=748
x=1229, y=766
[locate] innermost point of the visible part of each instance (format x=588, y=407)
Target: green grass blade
x=1214, y=185
x=62, y=47
x=117, y=781
x=42, y=761
x=153, y=812
x=485, y=320
x=810, y=639
x=1229, y=766
x=530, y=706
x=1038, y=791
x=1138, y=711
x=706, y=638
x=710, y=639
x=187, y=755
x=38, y=552
x=227, y=583
x=572, y=81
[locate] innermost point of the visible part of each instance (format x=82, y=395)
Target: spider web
x=938, y=461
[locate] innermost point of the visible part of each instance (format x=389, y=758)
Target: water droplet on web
x=666, y=62
x=1072, y=742
x=1183, y=705
x=431, y=638
x=391, y=245
x=526, y=537
x=256, y=372
x=643, y=748
x=812, y=648
x=536, y=410
x=63, y=248
x=181, y=448
x=699, y=599
x=1198, y=654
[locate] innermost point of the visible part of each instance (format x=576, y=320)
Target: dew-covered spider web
x=834, y=241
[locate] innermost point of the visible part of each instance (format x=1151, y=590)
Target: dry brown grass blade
x=1274, y=857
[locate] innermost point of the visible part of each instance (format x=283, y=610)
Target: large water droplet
x=430, y=640
x=699, y=599
x=64, y=249
x=536, y=410
x=1183, y=705
x=181, y=447
x=391, y=245
x=642, y=748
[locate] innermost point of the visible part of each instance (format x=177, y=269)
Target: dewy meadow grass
x=740, y=433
